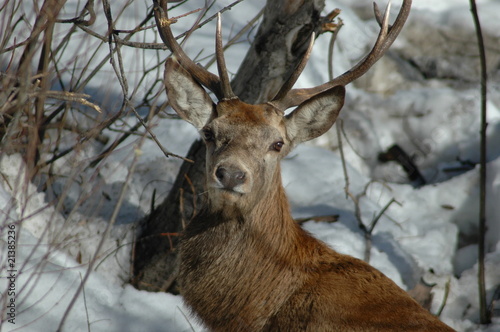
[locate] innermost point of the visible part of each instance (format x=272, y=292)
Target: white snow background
x=430, y=234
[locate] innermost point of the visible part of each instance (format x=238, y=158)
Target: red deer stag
x=245, y=265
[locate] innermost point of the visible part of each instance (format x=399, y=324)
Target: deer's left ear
x=315, y=116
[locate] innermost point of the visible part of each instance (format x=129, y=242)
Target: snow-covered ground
x=424, y=96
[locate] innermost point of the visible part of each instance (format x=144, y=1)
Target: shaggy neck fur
x=257, y=251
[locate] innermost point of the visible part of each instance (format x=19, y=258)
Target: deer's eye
x=208, y=135
x=277, y=146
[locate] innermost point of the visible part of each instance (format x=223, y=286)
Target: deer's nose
x=230, y=177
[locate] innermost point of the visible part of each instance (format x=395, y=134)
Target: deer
x=245, y=264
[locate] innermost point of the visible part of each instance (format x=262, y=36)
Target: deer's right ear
x=186, y=96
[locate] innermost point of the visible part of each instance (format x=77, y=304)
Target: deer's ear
x=186, y=96
x=315, y=116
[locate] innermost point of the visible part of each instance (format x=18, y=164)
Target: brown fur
x=245, y=265
x=262, y=272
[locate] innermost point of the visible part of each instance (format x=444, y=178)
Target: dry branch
x=483, y=307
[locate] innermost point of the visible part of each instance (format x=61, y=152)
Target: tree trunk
x=269, y=61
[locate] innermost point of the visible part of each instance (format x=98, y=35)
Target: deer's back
x=347, y=294
x=236, y=282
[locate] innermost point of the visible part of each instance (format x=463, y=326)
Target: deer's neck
x=251, y=257
x=267, y=218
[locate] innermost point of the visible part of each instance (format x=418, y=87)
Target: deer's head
x=245, y=142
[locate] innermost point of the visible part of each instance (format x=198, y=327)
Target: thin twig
x=330, y=46
x=381, y=213
x=445, y=298
x=211, y=18
x=104, y=236
x=234, y=39
x=369, y=231
x=80, y=98
x=85, y=306
x=484, y=316
x=88, y=9
x=171, y=279
x=153, y=136
x=338, y=125
x=193, y=190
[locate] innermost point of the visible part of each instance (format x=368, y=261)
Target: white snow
x=429, y=232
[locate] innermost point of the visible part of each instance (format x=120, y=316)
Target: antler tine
x=288, y=85
x=386, y=37
x=221, y=63
x=378, y=16
x=382, y=21
x=200, y=74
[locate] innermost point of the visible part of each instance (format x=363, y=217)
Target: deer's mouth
x=237, y=190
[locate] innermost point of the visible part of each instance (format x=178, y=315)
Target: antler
x=227, y=91
x=219, y=86
x=286, y=97
x=386, y=37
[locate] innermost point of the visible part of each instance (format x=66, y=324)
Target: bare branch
x=153, y=136
x=484, y=315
